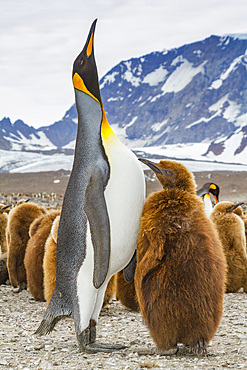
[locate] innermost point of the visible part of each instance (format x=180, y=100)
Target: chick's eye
x=168, y=172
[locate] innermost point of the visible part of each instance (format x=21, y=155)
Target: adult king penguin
x=101, y=212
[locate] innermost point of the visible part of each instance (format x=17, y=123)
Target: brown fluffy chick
x=20, y=219
x=231, y=229
x=110, y=291
x=126, y=293
x=3, y=268
x=33, y=261
x=180, y=273
x=3, y=226
x=49, y=266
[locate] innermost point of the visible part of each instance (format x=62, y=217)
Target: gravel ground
x=20, y=316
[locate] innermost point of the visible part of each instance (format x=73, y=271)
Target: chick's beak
x=151, y=165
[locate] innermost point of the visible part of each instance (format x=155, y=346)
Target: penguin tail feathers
x=46, y=326
x=51, y=316
x=129, y=270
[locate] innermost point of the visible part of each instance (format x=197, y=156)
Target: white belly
x=125, y=195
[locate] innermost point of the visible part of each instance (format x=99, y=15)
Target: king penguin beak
x=88, y=49
x=152, y=165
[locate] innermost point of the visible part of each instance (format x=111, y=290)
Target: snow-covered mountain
x=196, y=93
x=190, y=101
x=56, y=137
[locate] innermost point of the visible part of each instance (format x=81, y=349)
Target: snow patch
x=198, y=53
x=192, y=156
x=110, y=78
x=230, y=113
x=239, y=36
x=129, y=77
x=157, y=126
x=182, y=76
x=217, y=83
x=115, y=99
x=70, y=145
x=155, y=77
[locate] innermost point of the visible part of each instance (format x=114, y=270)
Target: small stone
x=3, y=362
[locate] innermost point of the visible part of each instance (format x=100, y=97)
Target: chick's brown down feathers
x=180, y=274
x=20, y=219
x=231, y=231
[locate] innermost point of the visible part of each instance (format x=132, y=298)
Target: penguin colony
x=180, y=273
x=179, y=254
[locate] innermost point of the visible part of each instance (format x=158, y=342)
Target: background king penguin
x=101, y=212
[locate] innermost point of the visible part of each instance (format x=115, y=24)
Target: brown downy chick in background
x=3, y=226
x=125, y=292
x=181, y=268
x=227, y=218
x=33, y=261
x=20, y=219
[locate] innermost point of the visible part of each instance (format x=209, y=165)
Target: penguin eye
x=169, y=172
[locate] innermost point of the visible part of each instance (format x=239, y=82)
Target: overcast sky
x=39, y=40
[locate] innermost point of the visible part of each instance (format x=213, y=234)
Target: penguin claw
x=101, y=347
x=200, y=348
x=20, y=288
x=155, y=351
x=87, y=343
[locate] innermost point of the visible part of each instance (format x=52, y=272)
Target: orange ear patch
x=79, y=85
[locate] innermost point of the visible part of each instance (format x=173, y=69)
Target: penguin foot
x=155, y=351
x=21, y=287
x=199, y=349
x=88, y=344
x=100, y=347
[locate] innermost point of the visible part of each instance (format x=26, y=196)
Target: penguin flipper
x=129, y=270
x=96, y=211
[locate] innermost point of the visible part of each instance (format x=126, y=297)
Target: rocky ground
x=20, y=316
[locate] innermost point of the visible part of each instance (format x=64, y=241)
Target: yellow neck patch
x=79, y=85
x=106, y=130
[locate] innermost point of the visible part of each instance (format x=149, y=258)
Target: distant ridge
x=193, y=94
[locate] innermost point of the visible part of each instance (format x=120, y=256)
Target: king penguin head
x=85, y=75
x=85, y=78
